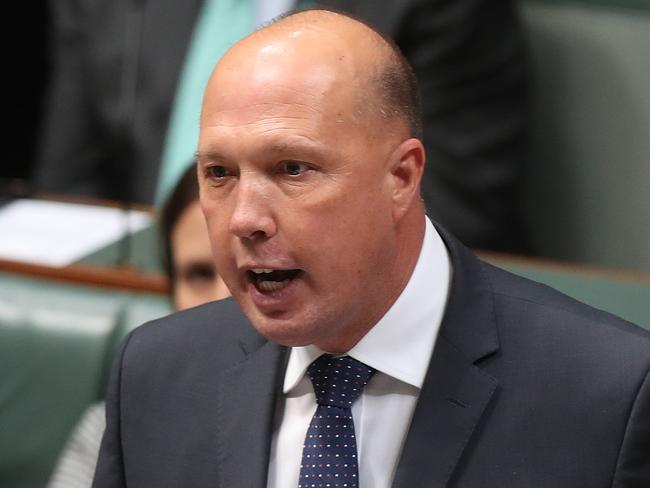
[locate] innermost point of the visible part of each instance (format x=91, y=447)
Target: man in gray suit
x=309, y=165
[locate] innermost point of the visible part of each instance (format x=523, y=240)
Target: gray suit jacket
x=526, y=388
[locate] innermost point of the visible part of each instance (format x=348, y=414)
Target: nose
x=252, y=217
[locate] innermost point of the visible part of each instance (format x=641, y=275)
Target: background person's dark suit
x=526, y=388
x=117, y=64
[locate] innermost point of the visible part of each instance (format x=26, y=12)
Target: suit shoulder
x=558, y=311
x=204, y=318
x=215, y=326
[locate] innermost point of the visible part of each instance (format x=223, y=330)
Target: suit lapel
x=456, y=391
x=451, y=404
x=247, y=397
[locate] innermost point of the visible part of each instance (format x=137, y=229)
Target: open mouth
x=271, y=280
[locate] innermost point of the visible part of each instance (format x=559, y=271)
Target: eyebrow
x=210, y=154
x=309, y=148
x=298, y=143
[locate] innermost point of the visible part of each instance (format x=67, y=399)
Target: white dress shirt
x=399, y=347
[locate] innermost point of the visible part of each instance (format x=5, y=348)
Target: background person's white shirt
x=399, y=347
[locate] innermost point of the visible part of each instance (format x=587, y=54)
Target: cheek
x=336, y=251
x=352, y=246
x=220, y=289
x=223, y=253
x=218, y=233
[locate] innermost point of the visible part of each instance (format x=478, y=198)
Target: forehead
x=271, y=77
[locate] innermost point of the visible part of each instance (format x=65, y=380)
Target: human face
x=196, y=278
x=294, y=183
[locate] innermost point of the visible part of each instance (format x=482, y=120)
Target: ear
x=407, y=166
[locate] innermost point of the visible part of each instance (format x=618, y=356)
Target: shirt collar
x=408, y=330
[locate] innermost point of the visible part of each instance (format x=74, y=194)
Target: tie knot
x=338, y=381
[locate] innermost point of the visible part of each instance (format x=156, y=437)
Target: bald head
x=337, y=52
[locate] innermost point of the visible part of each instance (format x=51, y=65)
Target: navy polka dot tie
x=329, y=456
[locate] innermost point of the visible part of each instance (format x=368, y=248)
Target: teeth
x=272, y=285
x=271, y=280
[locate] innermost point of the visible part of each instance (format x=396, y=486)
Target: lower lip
x=274, y=301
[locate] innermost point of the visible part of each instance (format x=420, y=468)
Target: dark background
x=24, y=76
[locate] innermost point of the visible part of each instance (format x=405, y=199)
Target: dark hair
x=183, y=195
x=398, y=88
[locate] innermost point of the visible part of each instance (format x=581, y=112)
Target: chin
x=290, y=333
x=283, y=335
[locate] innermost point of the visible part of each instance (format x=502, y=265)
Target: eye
x=294, y=168
x=198, y=273
x=217, y=171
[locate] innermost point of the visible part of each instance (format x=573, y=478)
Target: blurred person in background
x=187, y=257
x=193, y=280
x=123, y=108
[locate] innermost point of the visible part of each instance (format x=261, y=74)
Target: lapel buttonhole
x=457, y=402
